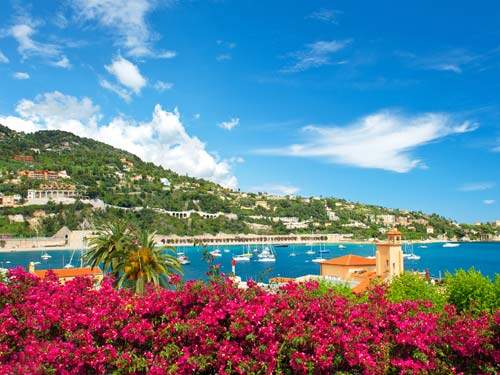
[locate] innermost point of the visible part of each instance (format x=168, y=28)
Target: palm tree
x=113, y=240
x=131, y=256
x=147, y=264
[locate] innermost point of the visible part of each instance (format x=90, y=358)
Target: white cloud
x=126, y=20
x=197, y=116
x=236, y=160
x=162, y=140
x=223, y=57
x=162, y=86
x=315, y=55
x=23, y=32
x=454, y=60
x=276, y=189
x=127, y=74
x=3, y=58
x=21, y=75
x=489, y=201
x=230, y=124
x=325, y=15
x=477, y=186
x=383, y=140
x=118, y=90
x=63, y=62
x=166, y=54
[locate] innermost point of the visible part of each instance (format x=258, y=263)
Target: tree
x=131, y=256
x=146, y=263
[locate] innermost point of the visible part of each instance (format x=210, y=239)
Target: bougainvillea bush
x=212, y=328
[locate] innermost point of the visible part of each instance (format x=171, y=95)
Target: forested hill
x=121, y=179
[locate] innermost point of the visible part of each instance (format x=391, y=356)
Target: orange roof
x=394, y=231
x=364, y=282
x=350, y=260
x=70, y=272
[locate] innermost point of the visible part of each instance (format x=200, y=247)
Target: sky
x=385, y=102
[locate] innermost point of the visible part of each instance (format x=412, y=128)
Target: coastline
x=10, y=250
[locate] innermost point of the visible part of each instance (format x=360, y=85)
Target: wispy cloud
x=118, y=90
x=127, y=22
x=489, y=201
x=325, y=15
x=21, y=75
x=230, y=124
x=477, y=186
x=275, y=189
x=3, y=58
x=315, y=55
x=223, y=57
x=452, y=60
x=163, y=86
x=384, y=140
x=225, y=47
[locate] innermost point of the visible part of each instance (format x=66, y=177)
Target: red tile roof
x=350, y=260
x=364, y=282
x=70, y=272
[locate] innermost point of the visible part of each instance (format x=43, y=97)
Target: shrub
x=209, y=328
x=472, y=292
x=413, y=287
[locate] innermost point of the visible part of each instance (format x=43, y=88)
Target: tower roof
x=394, y=231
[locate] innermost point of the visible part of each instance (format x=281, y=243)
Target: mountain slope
x=121, y=179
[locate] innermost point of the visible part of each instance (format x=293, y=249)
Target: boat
x=281, y=245
x=310, y=251
x=70, y=263
x=216, y=253
x=183, y=259
x=46, y=256
x=266, y=255
x=318, y=260
x=226, y=250
x=341, y=246
x=413, y=256
x=423, y=246
x=241, y=258
x=292, y=254
x=323, y=249
x=449, y=244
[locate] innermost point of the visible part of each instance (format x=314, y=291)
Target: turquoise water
x=483, y=256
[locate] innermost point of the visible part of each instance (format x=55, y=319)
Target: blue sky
x=378, y=102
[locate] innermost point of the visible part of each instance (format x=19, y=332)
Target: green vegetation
x=472, y=292
x=131, y=256
x=413, y=287
x=469, y=291
x=120, y=180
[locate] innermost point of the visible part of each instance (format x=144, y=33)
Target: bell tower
x=389, y=256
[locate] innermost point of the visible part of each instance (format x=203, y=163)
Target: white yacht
x=341, y=246
x=449, y=244
x=183, y=259
x=266, y=255
x=216, y=253
x=318, y=260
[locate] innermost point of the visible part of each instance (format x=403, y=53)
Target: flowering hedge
x=216, y=328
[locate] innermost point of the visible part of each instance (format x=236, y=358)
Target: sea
x=483, y=256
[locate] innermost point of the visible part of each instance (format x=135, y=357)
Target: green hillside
x=122, y=180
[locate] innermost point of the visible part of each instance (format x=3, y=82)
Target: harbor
x=290, y=261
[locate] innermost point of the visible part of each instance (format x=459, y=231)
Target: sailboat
x=266, y=255
x=182, y=258
x=411, y=255
x=323, y=249
x=69, y=265
x=341, y=246
x=243, y=257
x=449, y=244
x=46, y=255
x=310, y=251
